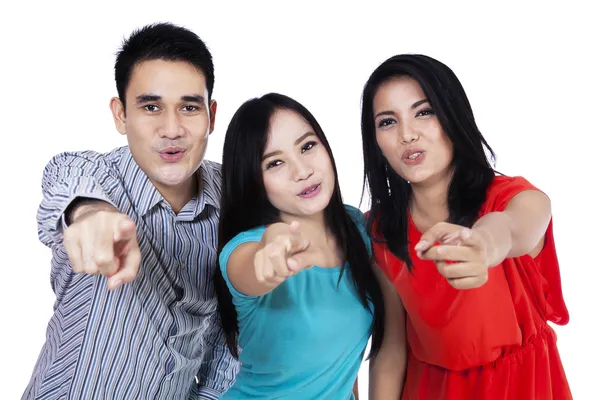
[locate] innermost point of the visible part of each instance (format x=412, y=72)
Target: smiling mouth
x=310, y=190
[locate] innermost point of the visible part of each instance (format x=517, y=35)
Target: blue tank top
x=305, y=339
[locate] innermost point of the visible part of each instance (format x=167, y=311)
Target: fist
x=104, y=243
x=460, y=254
x=282, y=254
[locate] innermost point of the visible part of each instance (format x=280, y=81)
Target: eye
x=308, y=145
x=385, y=122
x=151, y=108
x=190, y=108
x=274, y=163
x=424, y=112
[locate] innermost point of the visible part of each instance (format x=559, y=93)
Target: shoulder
x=251, y=235
x=502, y=182
x=87, y=162
x=357, y=216
x=211, y=174
x=90, y=156
x=503, y=188
x=212, y=167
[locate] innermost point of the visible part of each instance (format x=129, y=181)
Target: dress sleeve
x=500, y=194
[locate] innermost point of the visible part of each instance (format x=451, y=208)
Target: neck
x=178, y=196
x=429, y=202
x=313, y=225
x=315, y=220
x=323, y=241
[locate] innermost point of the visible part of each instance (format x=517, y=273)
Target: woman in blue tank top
x=299, y=297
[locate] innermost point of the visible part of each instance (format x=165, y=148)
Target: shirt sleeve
x=67, y=176
x=503, y=189
x=547, y=271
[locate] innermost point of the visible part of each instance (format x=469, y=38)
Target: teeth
x=415, y=155
x=310, y=190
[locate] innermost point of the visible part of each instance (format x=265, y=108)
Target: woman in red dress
x=470, y=252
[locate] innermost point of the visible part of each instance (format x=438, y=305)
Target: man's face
x=167, y=120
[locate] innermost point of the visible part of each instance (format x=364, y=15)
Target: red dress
x=492, y=342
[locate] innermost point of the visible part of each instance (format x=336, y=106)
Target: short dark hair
x=162, y=41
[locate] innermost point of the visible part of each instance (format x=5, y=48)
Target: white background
x=530, y=71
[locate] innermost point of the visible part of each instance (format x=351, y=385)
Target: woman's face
x=409, y=133
x=297, y=170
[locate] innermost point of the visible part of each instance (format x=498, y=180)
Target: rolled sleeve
x=69, y=176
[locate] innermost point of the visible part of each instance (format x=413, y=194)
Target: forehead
x=399, y=92
x=166, y=78
x=285, y=127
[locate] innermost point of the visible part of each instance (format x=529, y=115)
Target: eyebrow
x=301, y=138
x=296, y=142
x=415, y=105
x=147, y=98
x=195, y=98
x=150, y=97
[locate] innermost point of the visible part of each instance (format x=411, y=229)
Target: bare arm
x=256, y=268
x=242, y=274
x=388, y=368
x=519, y=229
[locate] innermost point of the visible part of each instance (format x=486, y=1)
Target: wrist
x=495, y=229
x=85, y=207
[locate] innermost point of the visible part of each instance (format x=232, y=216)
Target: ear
x=118, y=112
x=213, y=114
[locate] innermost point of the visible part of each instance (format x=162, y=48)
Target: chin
x=319, y=205
x=308, y=210
x=174, y=179
x=425, y=180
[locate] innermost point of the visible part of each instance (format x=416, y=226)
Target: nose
x=408, y=133
x=171, y=126
x=301, y=171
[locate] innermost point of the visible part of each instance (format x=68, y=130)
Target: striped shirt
x=158, y=337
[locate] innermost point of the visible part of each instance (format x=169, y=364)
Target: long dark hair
x=473, y=173
x=244, y=205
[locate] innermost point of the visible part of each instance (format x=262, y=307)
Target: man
x=133, y=235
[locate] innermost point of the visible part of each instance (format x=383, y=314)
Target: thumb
x=298, y=262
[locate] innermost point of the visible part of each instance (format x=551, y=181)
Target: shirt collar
x=145, y=196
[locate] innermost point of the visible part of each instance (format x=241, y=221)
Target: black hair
x=244, y=205
x=162, y=41
x=472, y=171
